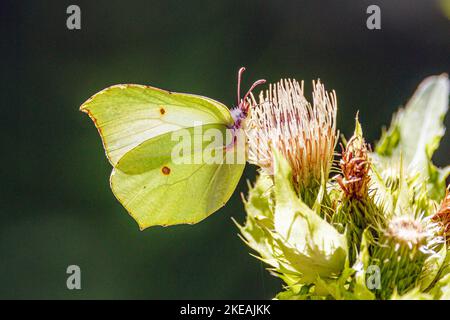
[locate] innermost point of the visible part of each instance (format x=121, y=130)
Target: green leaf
x=415, y=133
x=358, y=129
x=432, y=265
x=437, y=180
x=441, y=288
x=310, y=244
x=297, y=292
x=382, y=196
x=259, y=203
x=336, y=288
x=414, y=294
x=255, y=233
x=289, y=295
x=362, y=263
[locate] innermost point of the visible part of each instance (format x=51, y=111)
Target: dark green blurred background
x=57, y=208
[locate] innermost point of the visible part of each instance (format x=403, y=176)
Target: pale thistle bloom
x=304, y=133
x=406, y=244
x=413, y=233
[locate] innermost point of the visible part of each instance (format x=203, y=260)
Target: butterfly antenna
x=240, y=72
x=254, y=85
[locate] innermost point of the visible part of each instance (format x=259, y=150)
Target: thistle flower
x=374, y=231
x=442, y=216
x=402, y=251
x=405, y=231
x=304, y=134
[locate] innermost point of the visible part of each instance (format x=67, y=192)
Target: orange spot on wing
x=165, y=170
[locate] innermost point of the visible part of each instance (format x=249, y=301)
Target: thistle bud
x=355, y=210
x=442, y=216
x=355, y=166
x=401, y=253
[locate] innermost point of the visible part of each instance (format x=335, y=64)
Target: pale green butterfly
x=137, y=124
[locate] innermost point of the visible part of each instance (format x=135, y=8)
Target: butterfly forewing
x=127, y=115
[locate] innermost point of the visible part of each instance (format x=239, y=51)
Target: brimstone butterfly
x=137, y=124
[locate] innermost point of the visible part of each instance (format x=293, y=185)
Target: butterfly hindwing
x=157, y=190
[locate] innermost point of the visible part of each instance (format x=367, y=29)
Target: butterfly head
x=240, y=112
